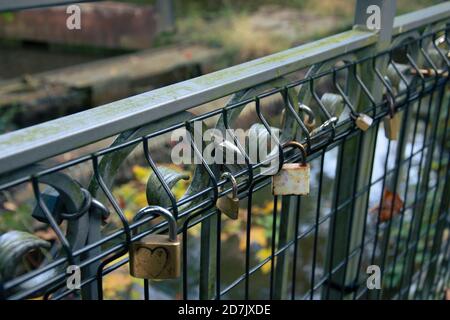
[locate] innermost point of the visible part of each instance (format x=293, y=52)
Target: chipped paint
x=293, y=179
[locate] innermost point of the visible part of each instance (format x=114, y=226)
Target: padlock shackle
x=227, y=175
x=297, y=145
x=331, y=121
x=309, y=113
x=160, y=211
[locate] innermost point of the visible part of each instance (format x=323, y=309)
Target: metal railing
x=373, y=201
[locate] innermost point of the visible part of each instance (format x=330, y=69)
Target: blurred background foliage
x=250, y=29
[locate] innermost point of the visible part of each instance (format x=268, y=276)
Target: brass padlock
x=293, y=178
x=229, y=204
x=156, y=256
x=391, y=121
x=363, y=121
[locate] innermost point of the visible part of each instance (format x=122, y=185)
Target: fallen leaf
x=263, y=254
x=257, y=235
x=391, y=205
x=188, y=54
x=141, y=173
x=141, y=200
x=9, y=206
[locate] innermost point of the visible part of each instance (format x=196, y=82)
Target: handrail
x=419, y=18
x=26, y=146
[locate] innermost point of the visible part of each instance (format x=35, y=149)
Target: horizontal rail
x=419, y=18
x=42, y=141
x=23, y=147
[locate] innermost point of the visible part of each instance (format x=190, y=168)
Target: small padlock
x=391, y=121
x=429, y=72
x=156, y=256
x=363, y=121
x=229, y=204
x=293, y=178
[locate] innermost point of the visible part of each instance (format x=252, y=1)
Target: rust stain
x=293, y=179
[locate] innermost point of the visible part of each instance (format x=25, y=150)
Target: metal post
x=350, y=220
x=166, y=15
x=289, y=208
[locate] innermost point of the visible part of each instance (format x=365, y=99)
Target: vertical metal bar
x=380, y=205
x=408, y=241
x=442, y=211
x=335, y=245
x=218, y=252
x=342, y=221
x=418, y=212
x=146, y=290
x=431, y=148
x=208, y=228
x=280, y=277
x=350, y=222
x=392, y=185
x=417, y=216
x=166, y=15
x=273, y=246
x=247, y=241
x=404, y=135
x=410, y=121
x=294, y=260
x=123, y=220
x=316, y=225
x=363, y=232
x=287, y=217
x=185, y=260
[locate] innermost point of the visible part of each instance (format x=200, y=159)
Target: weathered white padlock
x=293, y=178
x=391, y=121
x=363, y=121
x=229, y=204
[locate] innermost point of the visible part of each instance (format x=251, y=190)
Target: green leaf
x=7, y=16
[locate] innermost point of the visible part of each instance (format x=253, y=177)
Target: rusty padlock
x=293, y=178
x=229, y=204
x=391, y=121
x=156, y=256
x=363, y=121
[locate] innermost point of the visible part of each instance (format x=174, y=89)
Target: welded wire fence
x=374, y=202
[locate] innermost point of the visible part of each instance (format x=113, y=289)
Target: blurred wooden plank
x=106, y=24
x=51, y=94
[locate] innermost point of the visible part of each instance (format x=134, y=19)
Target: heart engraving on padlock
x=158, y=256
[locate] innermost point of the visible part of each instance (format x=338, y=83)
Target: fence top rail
x=27, y=146
x=419, y=18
